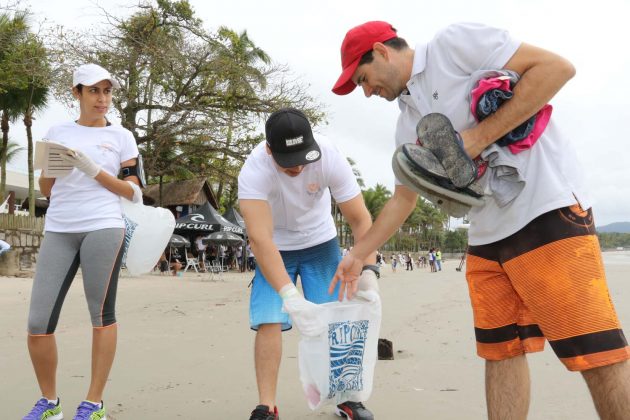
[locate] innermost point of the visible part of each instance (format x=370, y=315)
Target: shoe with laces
x=353, y=411
x=262, y=412
x=88, y=411
x=45, y=410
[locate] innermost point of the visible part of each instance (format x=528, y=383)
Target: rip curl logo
x=312, y=155
x=294, y=141
x=196, y=217
x=436, y=96
x=347, y=346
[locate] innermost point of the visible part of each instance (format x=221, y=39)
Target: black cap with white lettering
x=290, y=138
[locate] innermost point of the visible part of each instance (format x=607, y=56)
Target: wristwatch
x=374, y=268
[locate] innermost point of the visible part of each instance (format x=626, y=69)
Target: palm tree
x=343, y=228
x=36, y=99
x=9, y=106
x=12, y=29
x=429, y=222
x=13, y=150
x=375, y=199
x=10, y=153
x=239, y=60
x=29, y=63
x=356, y=172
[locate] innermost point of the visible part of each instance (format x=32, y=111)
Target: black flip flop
x=454, y=203
x=426, y=164
x=436, y=133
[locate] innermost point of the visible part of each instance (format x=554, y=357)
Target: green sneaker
x=45, y=410
x=89, y=411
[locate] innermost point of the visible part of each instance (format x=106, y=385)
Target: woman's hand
x=82, y=162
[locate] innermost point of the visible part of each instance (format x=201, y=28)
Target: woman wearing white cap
x=84, y=227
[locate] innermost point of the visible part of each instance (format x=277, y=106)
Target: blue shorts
x=316, y=267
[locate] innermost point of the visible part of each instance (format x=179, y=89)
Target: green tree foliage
x=343, y=228
x=240, y=59
x=455, y=240
x=26, y=73
x=192, y=98
x=375, y=198
x=612, y=240
x=423, y=229
x=13, y=27
x=13, y=150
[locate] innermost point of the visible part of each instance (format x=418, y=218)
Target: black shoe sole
x=454, y=203
x=437, y=134
x=424, y=162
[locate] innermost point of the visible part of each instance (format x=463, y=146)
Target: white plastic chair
x=215, y=269
x=191, y=262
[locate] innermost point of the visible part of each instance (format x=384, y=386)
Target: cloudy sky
x=593, y=108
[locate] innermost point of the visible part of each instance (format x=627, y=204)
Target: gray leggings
x=99, y=253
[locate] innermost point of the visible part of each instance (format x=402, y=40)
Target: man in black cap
x=284, y=192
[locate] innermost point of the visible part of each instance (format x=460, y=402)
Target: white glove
x=305, y=315
x=368, y=281
x=82, y=162
x=137, y=193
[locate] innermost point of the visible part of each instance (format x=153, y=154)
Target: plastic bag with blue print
x=338, y=365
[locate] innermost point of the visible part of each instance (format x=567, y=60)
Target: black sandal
x=436, y=133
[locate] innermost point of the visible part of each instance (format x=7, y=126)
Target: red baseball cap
x=357, y=42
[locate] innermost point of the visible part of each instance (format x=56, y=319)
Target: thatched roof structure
x=177, y=193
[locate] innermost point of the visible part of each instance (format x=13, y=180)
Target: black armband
x=374, y=268
x=135, y=170
x=129, y=171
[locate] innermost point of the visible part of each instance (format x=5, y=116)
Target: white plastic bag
x=338, y=365
x=148, y=230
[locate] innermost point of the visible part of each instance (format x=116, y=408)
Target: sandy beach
x=185, y=351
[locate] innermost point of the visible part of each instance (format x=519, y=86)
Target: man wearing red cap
x=523, y=255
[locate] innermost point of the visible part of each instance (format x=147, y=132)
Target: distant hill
x=617, y=227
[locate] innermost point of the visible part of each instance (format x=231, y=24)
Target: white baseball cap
x=91, y=74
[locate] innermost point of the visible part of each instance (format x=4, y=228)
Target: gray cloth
x=99, y=253
x=502, y=180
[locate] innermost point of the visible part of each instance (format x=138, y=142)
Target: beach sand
x=185, y=351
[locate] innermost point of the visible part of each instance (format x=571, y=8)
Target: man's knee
x=269, y=329
x=619, y=369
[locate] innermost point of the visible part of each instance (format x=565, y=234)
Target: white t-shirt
x=442, y=76
x=200, y=245
x=79, y=203
x=300, y=206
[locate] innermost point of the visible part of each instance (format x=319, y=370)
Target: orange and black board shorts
x=546, y=282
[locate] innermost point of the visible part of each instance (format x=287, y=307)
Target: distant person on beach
x=165, y=266
x=394, y=263
x=84, y=228
x=4, y=247
x=431, y=256
x=251, y=260
x=422, y=261
x=438, y=259
x=517, y=302
x=284, y=191
x=201, y=251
